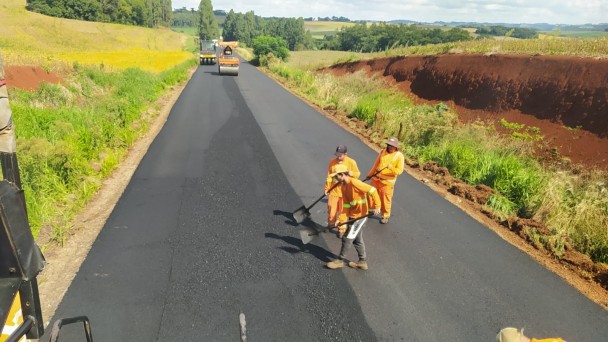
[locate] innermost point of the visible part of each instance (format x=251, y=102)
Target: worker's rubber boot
x=333, y=265
x=384, y=220
x=361, y=264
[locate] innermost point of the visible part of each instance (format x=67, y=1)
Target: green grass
x=316, y=59
x=71, y=136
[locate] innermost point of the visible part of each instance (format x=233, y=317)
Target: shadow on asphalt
x=288, y=215
x=296, y=244
x=297, y=247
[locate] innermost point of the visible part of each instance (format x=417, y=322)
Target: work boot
x=361, y=264
x=333, y=265
x=384, y=220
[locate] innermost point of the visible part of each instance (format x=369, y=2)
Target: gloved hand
x=375, y=211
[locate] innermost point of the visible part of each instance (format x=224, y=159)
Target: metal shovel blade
x=301, y=214
x=307, y=234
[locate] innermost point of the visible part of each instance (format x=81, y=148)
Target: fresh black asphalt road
x=203, y=233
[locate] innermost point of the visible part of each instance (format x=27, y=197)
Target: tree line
x=150, y=13
x=382, y=36
x=515, y=32
x=245, y=27
x=333, y=18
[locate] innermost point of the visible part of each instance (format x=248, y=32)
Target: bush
x=264, y=45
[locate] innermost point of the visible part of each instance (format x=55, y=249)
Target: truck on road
x=208, y=53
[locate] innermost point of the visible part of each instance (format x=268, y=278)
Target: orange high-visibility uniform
x=334, y=197
x=358, y=198
x=385, y=180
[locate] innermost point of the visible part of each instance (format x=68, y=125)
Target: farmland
x=31, y=38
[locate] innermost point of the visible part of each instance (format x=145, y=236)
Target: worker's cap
x=339, y=168
x=510, y=335
x=340, y=150
x=392, y=141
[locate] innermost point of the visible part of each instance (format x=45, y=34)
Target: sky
x=570, y=12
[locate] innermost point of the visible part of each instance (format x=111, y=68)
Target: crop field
x=316, y=59
x=319, y=29
x=32, y=39
x=582, y=47
x=576, y=34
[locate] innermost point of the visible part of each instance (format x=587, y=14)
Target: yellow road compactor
x=228, y=63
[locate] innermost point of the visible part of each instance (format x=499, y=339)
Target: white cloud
x=505, y=11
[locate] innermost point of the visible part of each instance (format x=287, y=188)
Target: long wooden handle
x=372, y=176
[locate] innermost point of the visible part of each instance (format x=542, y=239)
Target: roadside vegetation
x=71, y=136
x=573, y=205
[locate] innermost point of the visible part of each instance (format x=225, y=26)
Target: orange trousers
x=334, y=211
x=385, y=192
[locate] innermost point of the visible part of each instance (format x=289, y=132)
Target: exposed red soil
x=28, y=77
x=565, y=97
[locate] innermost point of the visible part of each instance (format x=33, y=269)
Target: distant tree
x=265, y=45
x=377, y=37
x=351, y=38
x=184, y=18
x=525, y=33
x=291, y=30
x=207, y=25
x=516, y=32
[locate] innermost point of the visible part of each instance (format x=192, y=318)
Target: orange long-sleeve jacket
x=396, y=162
x=358, y=198
x=350, y=163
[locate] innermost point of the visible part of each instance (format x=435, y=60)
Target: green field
x=28, y=38
x=191, y=31
x=320, y=29
x=576, y=34
x=316, y=59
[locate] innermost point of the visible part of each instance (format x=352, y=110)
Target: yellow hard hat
x=339, y=168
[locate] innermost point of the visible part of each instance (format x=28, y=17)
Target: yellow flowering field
x=28, y=38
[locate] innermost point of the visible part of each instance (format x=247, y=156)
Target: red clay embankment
x=548, y=92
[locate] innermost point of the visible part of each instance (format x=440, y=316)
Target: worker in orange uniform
x=356, y=196
x=514, y=335
x=334, y=195
x=390, y=163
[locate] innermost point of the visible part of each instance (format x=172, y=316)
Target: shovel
x=307, y=234
x=303, y=212
x=377, y=172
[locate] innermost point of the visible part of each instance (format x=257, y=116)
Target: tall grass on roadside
x=72, y=136
x=574, y=207
x=474, y=156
